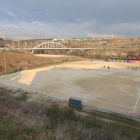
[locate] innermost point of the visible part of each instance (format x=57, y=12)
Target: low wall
x=124, y=61
x=50, y=55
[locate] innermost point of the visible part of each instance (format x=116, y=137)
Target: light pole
x=92, y=52
x=4, y=61
x=69, y=55
x=18, y=42
x=25, y=44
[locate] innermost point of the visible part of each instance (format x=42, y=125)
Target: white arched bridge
x=49, y=45
x=52, y=46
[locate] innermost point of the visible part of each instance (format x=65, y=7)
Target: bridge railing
x=50, y=45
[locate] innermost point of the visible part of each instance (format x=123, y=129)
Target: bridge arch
x=49, y=45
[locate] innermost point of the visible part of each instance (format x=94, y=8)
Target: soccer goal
x=22, y=68
x=30, y=86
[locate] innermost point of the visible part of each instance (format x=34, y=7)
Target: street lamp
x=3, y=51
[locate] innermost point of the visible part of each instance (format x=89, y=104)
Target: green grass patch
x=23, y=97
x=115, y=117
x=10, y=131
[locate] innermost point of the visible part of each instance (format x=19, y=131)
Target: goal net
x=30, y=86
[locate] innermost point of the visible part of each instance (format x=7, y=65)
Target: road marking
x=92, y=91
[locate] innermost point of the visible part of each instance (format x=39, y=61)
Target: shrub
x=55, y=111
x=98, y=56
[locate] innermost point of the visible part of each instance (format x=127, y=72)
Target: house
x=2, y=47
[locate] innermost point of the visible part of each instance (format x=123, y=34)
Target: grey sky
x=66, y=19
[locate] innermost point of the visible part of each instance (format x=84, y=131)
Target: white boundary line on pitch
x=113, y=109
x=116, y=104
x=134, y=111
x=107, y=102
x=92, y=91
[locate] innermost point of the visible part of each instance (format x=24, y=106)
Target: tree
x=139, y=55
x=8, y=38
x=131, y=54
x=1, y=39
x=98, y=56
x=119, y=55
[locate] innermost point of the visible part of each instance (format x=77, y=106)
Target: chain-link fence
x=45, y=100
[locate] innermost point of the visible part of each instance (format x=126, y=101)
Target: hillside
x=103, y=48
x=17, y=59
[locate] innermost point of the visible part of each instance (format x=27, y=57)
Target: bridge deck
x=55, y=48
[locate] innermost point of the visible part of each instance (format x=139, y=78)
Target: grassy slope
x=21, y=120
x=17, y=59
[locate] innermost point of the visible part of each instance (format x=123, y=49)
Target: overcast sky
x=24, y=19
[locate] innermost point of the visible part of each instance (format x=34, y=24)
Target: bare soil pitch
x=116, y=89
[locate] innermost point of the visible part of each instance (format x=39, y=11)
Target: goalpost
x=31, y=86
x=22, y=68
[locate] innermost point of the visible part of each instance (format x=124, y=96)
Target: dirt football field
x=116, y=89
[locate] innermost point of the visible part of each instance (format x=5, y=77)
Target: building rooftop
x=126, y=58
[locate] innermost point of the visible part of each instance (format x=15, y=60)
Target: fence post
x=42, y=99
x=95, y=117
x=42, y=102
x=79, y=114
x=113, y=129
x=133, y=131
